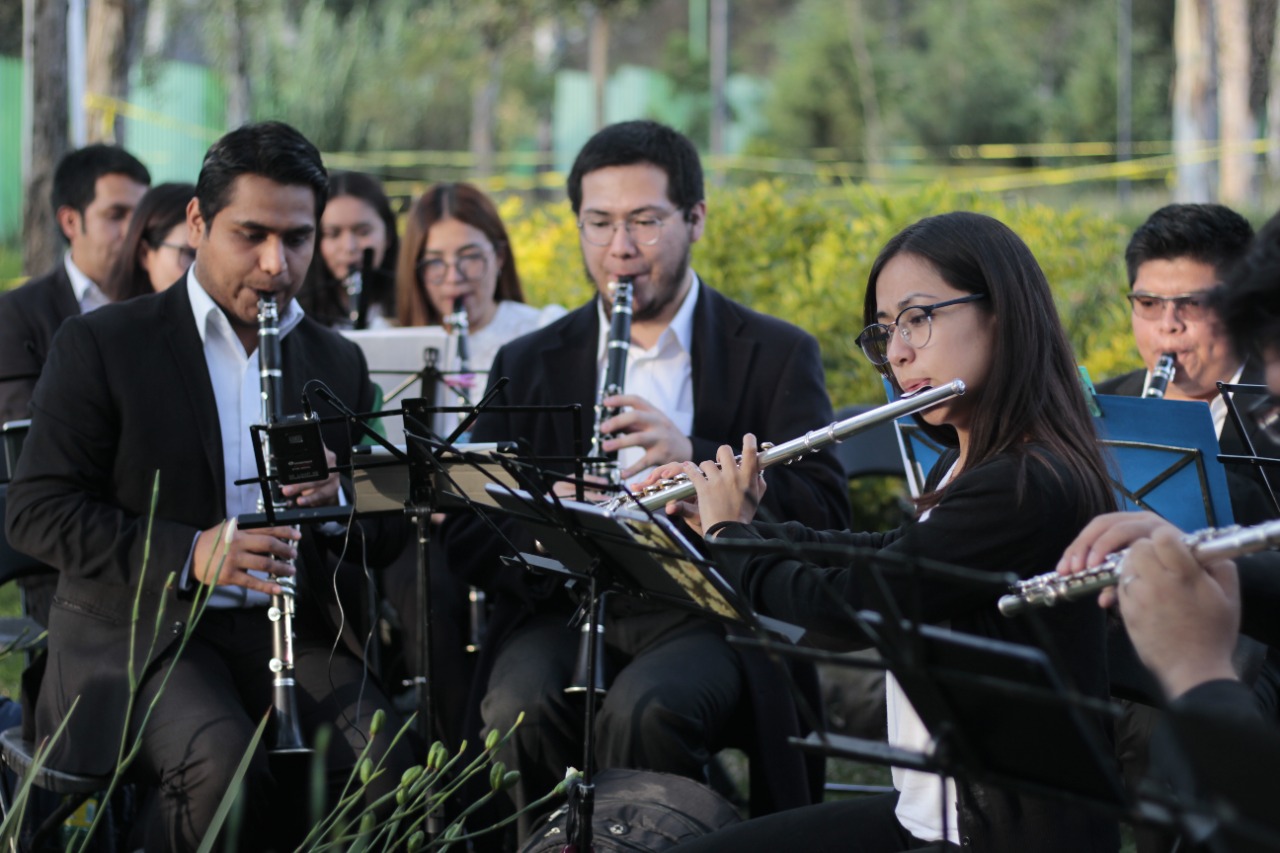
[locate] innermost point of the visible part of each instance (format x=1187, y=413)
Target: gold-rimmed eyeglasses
x=1186, y=306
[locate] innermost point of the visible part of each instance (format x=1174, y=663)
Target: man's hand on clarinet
x=225, y=554
x=642, y=425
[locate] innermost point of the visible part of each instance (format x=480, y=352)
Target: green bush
x=804, y=257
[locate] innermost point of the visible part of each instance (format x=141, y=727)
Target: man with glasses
x=1175, y=260
x=701, y=371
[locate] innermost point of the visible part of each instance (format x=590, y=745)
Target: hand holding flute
x=1182, y=615
x=728, y=489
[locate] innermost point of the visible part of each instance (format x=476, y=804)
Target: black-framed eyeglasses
x=644, y=229
x=470, y=266
x=186, y=254
x=1186, y=306
x=914, y=323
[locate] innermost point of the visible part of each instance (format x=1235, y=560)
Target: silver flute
x=1208, y=545
x=615, y=377
x=288, y=734
x=680, y=487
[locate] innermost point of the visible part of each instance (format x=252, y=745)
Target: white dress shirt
x=236, y=391
x=88, y=295
x=662, y=374
x=920, y=795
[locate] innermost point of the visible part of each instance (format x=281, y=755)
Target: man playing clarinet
x=701, y=370
x=147, y=404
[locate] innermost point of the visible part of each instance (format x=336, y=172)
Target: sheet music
x=393, y=355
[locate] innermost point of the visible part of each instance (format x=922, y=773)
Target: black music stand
x=1262, y=463
x=626, y=551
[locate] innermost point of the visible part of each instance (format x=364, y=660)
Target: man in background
x=95, y=190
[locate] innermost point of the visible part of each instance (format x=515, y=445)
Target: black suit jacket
x=29, y=316
x=1250, y=500
x=125, y=412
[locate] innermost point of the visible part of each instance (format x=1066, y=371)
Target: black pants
x=677, y=685
x=205, y=716
x=861, y=825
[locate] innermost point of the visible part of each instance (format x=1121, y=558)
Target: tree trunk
x=598, y=61
x=1236, y=181
x=871, y=135
x=719, y=56
x=1273, y=104
x=44, y=49
x=484, y=104
x=106, y=68
x=238, y=95
x=1194, y=100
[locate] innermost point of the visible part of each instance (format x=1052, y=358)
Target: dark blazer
x=125, y=411
x=1014, y=513
x=29, y=316
x=1220, y=753
x=751, y=373
x=1250, y=501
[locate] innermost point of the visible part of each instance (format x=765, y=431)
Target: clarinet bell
x=588, y=674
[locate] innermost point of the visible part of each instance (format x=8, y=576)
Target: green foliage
x=952, y=72
x=804, y=257
x=814, y=101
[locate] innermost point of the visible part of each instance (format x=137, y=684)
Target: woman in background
x=339, y=292
x=456, y=254
x=455, y=257
x=155, y=253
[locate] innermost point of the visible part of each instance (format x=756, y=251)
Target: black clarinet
x=477, y=605
x=615, y=378
x=1161, y=376
x=588, y=673
x=288, y=734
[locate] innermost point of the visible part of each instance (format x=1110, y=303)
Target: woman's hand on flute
x=727, y=489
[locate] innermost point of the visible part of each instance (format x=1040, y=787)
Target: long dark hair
x=1033, y=391
x=321, y=296
x=467, y=204
x=163, y=207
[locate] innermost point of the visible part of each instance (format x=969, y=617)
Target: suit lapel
x=184, y=344
x=64, y=297
x=722, y=362
x=569, y=369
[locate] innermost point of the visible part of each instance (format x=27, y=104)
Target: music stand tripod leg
x=582, y=793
